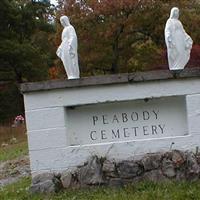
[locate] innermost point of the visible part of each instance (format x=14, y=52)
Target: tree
x=124, y=35
x=26, y=49
x=24, y=45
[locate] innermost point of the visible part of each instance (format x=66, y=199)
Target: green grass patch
x=13, y=151
x=142, y=191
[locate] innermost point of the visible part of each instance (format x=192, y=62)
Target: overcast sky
x=54, y=2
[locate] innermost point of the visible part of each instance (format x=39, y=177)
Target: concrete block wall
x=47, y=117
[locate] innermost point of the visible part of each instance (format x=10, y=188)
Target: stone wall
x=156, y=167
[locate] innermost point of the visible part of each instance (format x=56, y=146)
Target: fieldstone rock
x=13, y=140
x=168, y=168
x=115, y=182
x=46, y=183
x=129, y=169
x=168, y=155
x=4, y=144
x=34, y=188
x=57, y=183
x=178, y=158
x=91, y=174
x=46, y=186
x=109, y=169
x=66, y=179
x=198, y=158
x=151, y=161
x=193, y=169
x=42, y=177
x=154, y=176
x=180, y=175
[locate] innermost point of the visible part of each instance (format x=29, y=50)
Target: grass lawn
x=15, y=140
x=13, y=151
x=143, y=191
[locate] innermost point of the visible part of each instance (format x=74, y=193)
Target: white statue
x=179, y=43
x=67, y=51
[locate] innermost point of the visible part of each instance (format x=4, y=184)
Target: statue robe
x=179, y=44
x=67, y=52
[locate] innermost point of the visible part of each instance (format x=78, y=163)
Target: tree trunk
x=115, y=48
x=115, y=68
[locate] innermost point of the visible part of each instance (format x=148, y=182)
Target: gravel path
x=11, y=171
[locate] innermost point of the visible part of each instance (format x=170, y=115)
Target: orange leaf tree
x=124, y=35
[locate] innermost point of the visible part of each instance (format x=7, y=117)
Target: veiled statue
x=179, y=43
x=67, y=51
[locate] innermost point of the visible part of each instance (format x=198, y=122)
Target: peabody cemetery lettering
x=123, y=131
x=126, y=121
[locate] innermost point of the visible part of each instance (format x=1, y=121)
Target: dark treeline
x=26, y=49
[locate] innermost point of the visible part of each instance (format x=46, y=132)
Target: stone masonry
x=156, y=167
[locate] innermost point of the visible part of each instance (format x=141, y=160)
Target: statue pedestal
x=115, y=116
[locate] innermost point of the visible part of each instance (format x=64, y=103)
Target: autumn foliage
x=126, y=35
x=195, y=56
